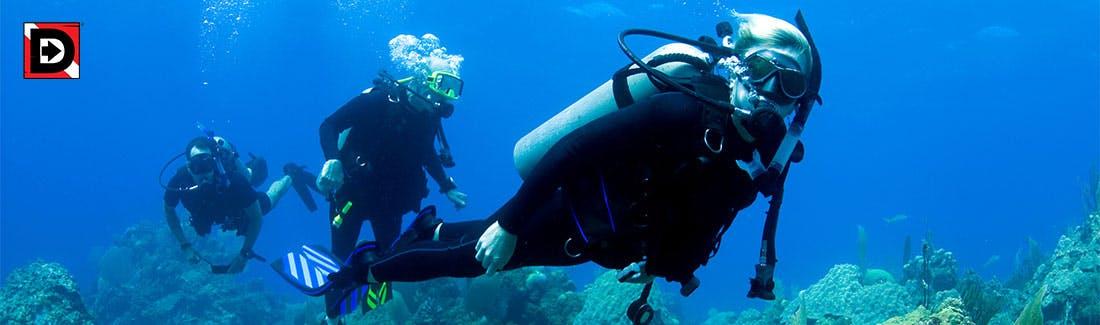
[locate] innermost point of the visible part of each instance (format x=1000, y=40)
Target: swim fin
x=370, y=297
x=307, y=269
x=302, y=181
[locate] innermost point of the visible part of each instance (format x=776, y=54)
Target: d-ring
x=566, y=249
x=706, y=141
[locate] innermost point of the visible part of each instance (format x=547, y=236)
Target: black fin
x=302, y=181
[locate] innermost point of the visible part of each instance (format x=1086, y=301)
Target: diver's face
x=200, y=163
x=424, y=106
x=745, y=96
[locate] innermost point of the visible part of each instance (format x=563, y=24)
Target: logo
x=51, y=50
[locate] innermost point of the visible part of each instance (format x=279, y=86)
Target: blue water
x=977, y=119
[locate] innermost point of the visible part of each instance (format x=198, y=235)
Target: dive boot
x=422, y=228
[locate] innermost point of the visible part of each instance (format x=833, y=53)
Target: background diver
x=377, y=148
x=216, y=188
x=649, y=188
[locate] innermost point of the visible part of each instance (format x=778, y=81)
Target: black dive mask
x=776, y=76
x=202, y=164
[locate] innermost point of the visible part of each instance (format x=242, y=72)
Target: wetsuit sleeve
x=433, y=165
x=623, y=132
x=344, y=117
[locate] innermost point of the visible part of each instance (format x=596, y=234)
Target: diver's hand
x=331, y=177
x=238, y=264
x=458, y=198
x=635, y=273
x=495, y=248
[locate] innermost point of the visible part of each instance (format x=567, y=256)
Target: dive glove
x=331, y=177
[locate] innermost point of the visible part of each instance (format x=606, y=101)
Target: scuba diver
x=377, y=148
x=648, y=186
x=216, y=188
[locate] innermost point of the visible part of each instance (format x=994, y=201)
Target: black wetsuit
x=207, y=205
x=637, y=184
x=386, y=152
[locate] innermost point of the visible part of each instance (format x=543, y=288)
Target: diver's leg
x=427, y=259
x=386, y=228
x=277, y=189
x=344, y=239
x=452, y=253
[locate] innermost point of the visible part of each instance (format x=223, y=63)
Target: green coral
x=607, y=300
x=42, y=293
x=1033, y=313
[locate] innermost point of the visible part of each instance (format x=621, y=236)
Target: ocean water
x=977, y=120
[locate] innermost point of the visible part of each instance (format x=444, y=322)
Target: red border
x=26, y=52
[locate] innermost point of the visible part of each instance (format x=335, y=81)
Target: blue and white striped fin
x=307, y=269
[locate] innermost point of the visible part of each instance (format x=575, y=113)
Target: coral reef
x=982, y=301
x=950, y=312
x=42, y=293
x=1072, y=276
x=770, y=315
x=1026, y=262
x=1033, y=313
x=145, y=279
x=607, y=300
x=876, y=276
x=535, y=295
x=841, y=295
x=941, y=269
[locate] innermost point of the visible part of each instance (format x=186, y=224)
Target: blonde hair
x=756, y=32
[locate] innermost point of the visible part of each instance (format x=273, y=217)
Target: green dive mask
x=445, y=84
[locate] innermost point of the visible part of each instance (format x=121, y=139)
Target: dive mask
x=776, y=76
x=445, y=84
x=201, y=164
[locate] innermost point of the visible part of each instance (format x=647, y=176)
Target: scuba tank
x=680, y=61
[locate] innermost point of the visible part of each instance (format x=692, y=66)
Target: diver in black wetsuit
x=375, y=171
x=638, y=183
x=216, y=188
x=650, y=188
